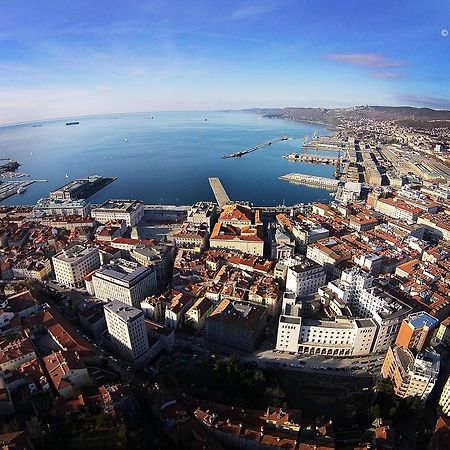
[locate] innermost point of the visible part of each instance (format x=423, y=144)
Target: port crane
x=256, y=147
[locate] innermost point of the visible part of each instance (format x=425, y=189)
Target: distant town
x=231, y=325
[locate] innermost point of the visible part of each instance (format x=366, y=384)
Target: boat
x=206, y=119
x=126, y=140
x=36, y=125
x=21, y=190
x=72, y=123
x=67, y=176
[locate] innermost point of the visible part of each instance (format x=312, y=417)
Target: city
x=225, y=225
x=333, y=314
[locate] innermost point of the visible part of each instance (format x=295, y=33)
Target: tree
x=384, y=385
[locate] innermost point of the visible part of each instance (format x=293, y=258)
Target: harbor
x=311, y=180
x=314, y=159
x=13, y=187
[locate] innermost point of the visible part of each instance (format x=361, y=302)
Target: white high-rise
x=126, y=327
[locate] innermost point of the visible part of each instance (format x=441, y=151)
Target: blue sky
x=61, y=58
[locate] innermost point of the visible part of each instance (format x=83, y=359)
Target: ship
x=72, y=123
x=36, y=125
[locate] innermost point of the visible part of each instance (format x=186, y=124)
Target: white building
x=364, y=319
x=339, y=337
x=203, y=213
x=444, y=400
x=123, y=280
x=126, y=328
x=73, y=264
x=411, y=376
x=130, y=211
x=366, y=301
x=305, y=277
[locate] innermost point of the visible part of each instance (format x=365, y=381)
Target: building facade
x=73, y=264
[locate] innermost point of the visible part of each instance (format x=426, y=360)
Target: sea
x=165, y=157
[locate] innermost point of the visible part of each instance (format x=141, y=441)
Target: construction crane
x=256, y=147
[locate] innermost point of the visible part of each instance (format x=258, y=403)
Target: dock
x=219, y=191
x=10, y=188
x=256, y=147
x=315, y=159
x=311, y=180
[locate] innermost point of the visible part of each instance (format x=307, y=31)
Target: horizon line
x=50, y=119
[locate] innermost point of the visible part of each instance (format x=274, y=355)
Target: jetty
x=256, y=147
x=219, y=191
x=311, y=180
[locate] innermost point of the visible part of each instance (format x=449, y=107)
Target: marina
x=311, y=180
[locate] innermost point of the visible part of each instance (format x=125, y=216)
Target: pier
x=256, y=147
x=219, y=191
x=311, y=180
x=315, y=159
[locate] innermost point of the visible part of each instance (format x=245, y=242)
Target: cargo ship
x=72, y=123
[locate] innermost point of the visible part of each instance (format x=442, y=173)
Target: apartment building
x=123, y=280
x=411, y=376
x=126, y=328
x=73, y=264
x=444, y=399
x=305, y=278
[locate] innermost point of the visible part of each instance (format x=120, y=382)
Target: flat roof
x=122, y=310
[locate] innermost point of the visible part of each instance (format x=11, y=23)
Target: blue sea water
x=167, y=159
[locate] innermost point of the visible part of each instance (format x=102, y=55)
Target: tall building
x=126, y=328
x=123, y=280
x=411, y=376
x=305, y=278
x=367, y=300
x=73, y=264
x=130, y=211
x=444, y=400
x=416, y=331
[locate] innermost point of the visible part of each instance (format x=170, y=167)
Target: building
x=341, y=337
x=437, y=225
x=444, y=400
x=126, y=328
x=203, y=213
x=416, y=331
x=49, y=207
x=239, y=228
x=197, y=314
x=130, y=211
x=238, y=325
x=14, y=353
x=68, y=373
x=397, y=209
x=443, y=332
x=73, y=264
x=411, y=376
x=81, y=188
x=123, y=280
x=441, y=435
x=367, y=300
x=305, y=278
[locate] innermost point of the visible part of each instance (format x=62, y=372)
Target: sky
x=67, y=58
